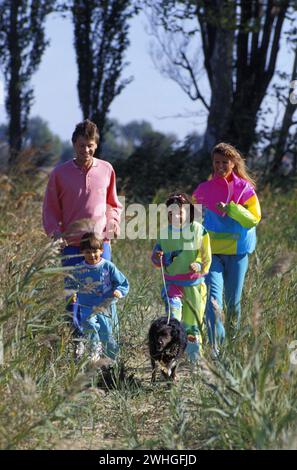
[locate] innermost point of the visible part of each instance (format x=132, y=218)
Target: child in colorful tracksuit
x=184, y=249
x=99, y=283
x=231, y=213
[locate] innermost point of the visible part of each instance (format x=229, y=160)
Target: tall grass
x=246, y=399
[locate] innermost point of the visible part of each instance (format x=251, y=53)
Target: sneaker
x=215, y=353
x=192, y=349
x=79, y=350
x=96, y=354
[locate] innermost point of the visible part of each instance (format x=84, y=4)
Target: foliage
x=236, y=45
x=245, y=400
x=100, y=41
x=43, y=145
x=22, y=44
x=161, y=161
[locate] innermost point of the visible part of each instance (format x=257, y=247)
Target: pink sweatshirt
x=74, y=194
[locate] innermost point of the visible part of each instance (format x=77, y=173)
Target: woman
x=231, y=213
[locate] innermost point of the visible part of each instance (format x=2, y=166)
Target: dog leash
x=165, y=288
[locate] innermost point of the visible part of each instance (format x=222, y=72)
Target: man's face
x=84, y=149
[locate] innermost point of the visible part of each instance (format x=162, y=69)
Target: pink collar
x=94, y=163
x=219, y=179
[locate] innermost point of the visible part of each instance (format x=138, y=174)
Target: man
x=81, y=196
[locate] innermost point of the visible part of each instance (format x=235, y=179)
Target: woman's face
x=222, y=166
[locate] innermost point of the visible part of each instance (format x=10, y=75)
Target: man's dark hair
x=87, y=129
x=89, y=241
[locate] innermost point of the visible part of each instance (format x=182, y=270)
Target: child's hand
x=159, y=254
x=195, y=267
x=222, y=207
x=117, y=294
x=74, y=298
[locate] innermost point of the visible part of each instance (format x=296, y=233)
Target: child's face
x=177, y=216
x=84, y=148
x=92, y=256
x=222, y=166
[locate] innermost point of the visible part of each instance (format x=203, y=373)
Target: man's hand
x=112, y=230
x=59, y=240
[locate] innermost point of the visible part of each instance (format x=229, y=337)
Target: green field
x=246, y=400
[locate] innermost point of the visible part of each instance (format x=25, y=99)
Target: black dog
x=167, y=343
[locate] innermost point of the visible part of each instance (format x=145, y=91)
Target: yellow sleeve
x=248, y=215
x=205, y=253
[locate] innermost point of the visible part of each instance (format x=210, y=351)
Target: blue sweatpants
x=101, y=328
x=226, y=276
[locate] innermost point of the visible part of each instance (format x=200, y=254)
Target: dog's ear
x=176, y=330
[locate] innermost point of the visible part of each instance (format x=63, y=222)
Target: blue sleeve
x=119, y=281
x=167, y=257
x=155, y=259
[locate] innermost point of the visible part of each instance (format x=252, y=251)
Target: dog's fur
x=167, y=344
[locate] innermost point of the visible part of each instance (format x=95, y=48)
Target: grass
x=246, y=400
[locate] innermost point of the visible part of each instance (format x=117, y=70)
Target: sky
x=150, y=96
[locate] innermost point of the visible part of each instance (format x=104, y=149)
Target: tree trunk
x=221, y=87
x=240, y=49
x=14, y=86
x=286, y=124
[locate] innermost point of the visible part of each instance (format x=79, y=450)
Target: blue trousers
x=226, y=276
x=100, y=328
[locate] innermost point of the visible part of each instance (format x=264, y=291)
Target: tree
x=43, y=146
x=22, y=44
x=240, y=41
x=287, y=121
x=100, y=40
x=146, y=170
x=135, y=131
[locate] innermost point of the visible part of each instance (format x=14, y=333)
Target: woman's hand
x=222, y=207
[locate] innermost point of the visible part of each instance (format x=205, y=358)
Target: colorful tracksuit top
x=97, y=282
x=181, y=247
x=233, y=233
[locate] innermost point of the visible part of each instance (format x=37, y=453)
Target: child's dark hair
x=181, y=199
x=89, y=241
x=87, y=129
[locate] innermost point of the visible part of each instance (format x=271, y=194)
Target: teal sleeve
x=119, y=281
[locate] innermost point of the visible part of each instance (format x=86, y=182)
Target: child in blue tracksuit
x=99, y=283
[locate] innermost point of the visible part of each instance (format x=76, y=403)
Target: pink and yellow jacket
x=233, y=233
x=73, y=195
